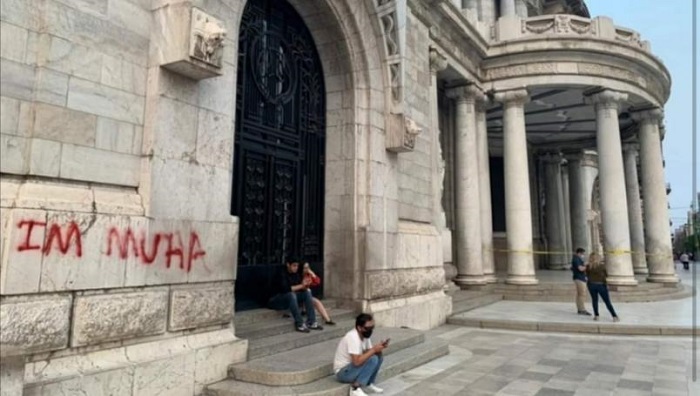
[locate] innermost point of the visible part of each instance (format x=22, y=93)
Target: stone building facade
x=451, y=141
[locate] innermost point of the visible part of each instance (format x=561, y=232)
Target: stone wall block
x=199, y=306
x=12, y=376
x=89, y=164
x=17, y=80
x=406, y=282
x=117, y=200
x=112, y=383
x=172, y=377
x=13, y=42
x=51, y=86
x=118, y=316
x=211, y=364
x=175, y=130
x=55, y=196
x=114, y=135
x=14, y=154
x=80, y=262
x=9, y=115
x=105, y=101
x=220, y=242
x=215, y=139
x=22, y=251
x=64, y=125
x=34, y=324
x=74, y=59
x=44, y=158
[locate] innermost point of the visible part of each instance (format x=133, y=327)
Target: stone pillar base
x=622, y=280
x=641, y=271
x=663, y=278
x=470, y=280
x=491, y=278
x=522, y=280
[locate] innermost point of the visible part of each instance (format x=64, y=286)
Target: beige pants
x=581, y=291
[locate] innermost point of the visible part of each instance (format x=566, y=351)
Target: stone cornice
x=468, y=93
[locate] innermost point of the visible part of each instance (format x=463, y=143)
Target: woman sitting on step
x=597, y=285
x=312, y=280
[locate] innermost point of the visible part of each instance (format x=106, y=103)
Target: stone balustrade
x=569, y=26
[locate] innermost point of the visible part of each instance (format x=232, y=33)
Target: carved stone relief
x=401, y=133
x=206, y=38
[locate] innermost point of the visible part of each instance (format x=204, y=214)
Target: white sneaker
x=375, y=388
x=357, y=392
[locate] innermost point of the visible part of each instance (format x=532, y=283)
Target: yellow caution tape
x=617, y=252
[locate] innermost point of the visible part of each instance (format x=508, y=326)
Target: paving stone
x=553, y=392
x=632, y=384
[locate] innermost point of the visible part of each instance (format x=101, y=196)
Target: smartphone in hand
x=386, y=342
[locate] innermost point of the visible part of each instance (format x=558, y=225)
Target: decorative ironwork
x=278, y=186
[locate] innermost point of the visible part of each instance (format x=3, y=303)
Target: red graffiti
x=54, y=237
x=147, y=253
x=122, y=243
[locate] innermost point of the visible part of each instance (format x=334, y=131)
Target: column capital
x=647, y=115
x=466, y=93
x=630, y=147
x=482, y=103
x=585, y=157
x=605, y=98
x=551, y=158
x=517, y=96
x=438, y=62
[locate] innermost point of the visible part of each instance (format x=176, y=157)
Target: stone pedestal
x=634, y=208
x=656, y=220
x=467, y=208
x=613, y=198
x=482, y=143
x=521, y=267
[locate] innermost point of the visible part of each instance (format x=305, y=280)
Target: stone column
x=482, y=143
x=507, y=7
x=582, y=172
x=469, y=4
x=437, y=63
x=467, y=208
x=521, y=266
x=554, y=211
x=521, y=8
x=613, y=198
x=656, y=220
x=567, y=208
x=634, y=210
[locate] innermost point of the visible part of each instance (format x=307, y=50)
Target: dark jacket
x=577, y=261
x=597, y=274
x=284, y=280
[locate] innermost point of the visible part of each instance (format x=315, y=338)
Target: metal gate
x=278, y=181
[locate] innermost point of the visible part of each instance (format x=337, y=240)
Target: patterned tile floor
x=499, y=362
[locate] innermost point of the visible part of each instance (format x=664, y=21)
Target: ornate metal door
x=278, y=182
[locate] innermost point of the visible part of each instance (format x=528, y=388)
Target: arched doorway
x=278, y=177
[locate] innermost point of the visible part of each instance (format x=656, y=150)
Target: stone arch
x=345, y=36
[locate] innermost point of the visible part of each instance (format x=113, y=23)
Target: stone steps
x=292, y=339
x=564, y=292
x=280, y=324
x=473, y=302
x=587, y=328
x=310, y=363
x=395, y=363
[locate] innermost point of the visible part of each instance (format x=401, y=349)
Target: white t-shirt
x=351, y=344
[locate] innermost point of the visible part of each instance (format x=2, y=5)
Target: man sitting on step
x=356, y=361
x=290, y=291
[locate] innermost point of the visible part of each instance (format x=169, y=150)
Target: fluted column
x=482, y=143
x=582, y=173
x=554, y=211
x=467, y=205
x=634, y=209
x=521, y=266
x=613, y=197
x=656, y=227
x=507, y=7
x=567, y=208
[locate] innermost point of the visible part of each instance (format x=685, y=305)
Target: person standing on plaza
x=356, y=361
x=578, y=268
x=598, y=285
x=685, y=261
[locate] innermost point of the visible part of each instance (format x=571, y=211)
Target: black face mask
x=367, y=332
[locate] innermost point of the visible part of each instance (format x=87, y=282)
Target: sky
x=668, y=26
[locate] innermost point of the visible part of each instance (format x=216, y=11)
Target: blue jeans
x=363, y=375
x=291, y=301
x=600, y=289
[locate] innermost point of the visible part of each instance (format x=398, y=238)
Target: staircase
x=282, y=361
